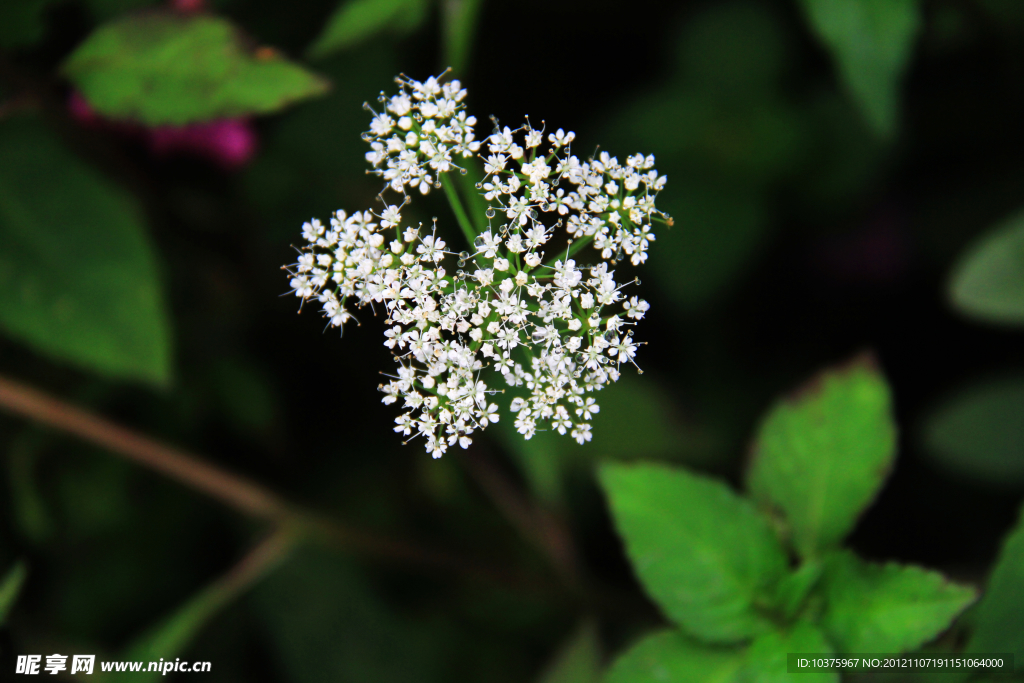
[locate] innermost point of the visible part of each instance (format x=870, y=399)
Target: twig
x=228, y=488
x=231, y=489
x=263, y=558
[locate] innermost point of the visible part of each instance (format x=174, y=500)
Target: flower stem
x=469, y=182
x=460, y=212
x=573, y=248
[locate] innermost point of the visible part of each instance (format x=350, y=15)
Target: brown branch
x=263, y=558
x=231, y=489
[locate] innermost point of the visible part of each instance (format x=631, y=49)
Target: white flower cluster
x=556, y=330
x=419, y=131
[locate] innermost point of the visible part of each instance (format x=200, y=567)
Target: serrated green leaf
x=671, y=656
x=871, y=42
x=979, y=431
x=10, y=589
x=988, y=280
x=357, y=20
x=165, y=68
x=999, y=617
x=703, y=553
x=821, y=455
x=578, y=661
x=886, y=607
x=767, y=662
x=76, y=269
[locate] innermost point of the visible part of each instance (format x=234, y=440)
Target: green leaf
x=821, y=455
x=979, y=431
x=871, y=42
x=703, y=553
x=999, y=617
x=793, y=590
x=164, y=68
x=988, y=280
x=671, y=656
x=578, y=661
x=357, y=20
x=10, y=589
x=886, y=608
x=78, y=274
x=767, y=662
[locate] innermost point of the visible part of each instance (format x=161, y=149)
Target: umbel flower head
x=518, y=304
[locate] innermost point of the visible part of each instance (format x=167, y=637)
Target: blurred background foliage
x=844, y=175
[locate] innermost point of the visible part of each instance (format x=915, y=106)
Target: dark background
x=801, y=238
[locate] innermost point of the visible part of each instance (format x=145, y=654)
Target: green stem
x=460, y=212
x=573, y=248
x=470, y=191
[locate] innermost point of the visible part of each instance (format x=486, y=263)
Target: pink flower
x=81, y=110
x=230, y=143
x=188, y=6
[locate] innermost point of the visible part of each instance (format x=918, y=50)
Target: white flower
x=555, y=334
x=431, y=248
x=382, y=124
x=312, y=230
x=636, y=308
x=515, y=244
x=582, y=433
x=537, y=170
x=588, y=409
x=560, y=139
x=495, y=163
x=391, y=217
x=488, y=244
